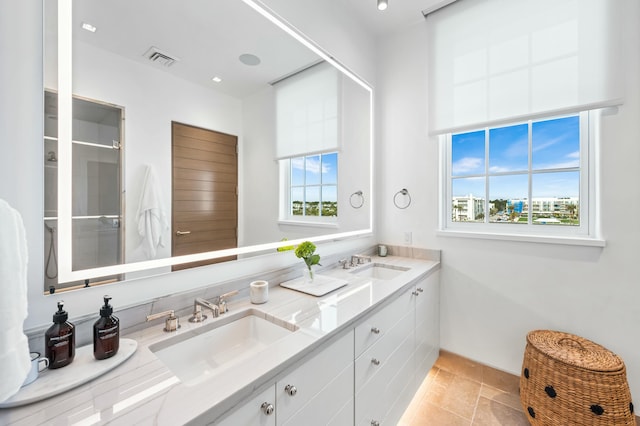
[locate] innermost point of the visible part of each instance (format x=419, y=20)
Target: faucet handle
x=170, y=324
x=222, y=303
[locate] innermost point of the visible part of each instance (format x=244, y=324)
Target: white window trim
x=286, y=218
x=587, y=234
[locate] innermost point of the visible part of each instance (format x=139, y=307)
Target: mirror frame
x=65, y=78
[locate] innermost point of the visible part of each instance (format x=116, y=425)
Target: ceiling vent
x=159, y=57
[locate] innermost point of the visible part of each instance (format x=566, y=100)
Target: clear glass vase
x=307, y=275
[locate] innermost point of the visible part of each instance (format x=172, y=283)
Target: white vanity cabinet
x=391, y=367
x=367, y=376
x=427, y=325
x=320, y=391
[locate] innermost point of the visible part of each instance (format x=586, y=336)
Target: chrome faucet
x=217, y=308
x=358, y=259
x=198, y=316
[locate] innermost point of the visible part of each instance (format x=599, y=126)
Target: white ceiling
x=209, y=36
x=206, y=36
x=399, y=14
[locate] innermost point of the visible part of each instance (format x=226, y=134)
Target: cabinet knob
x=375, y=423
x=375, y=330
x=415, y=293
x=375, y=361
x=291, y=390
x=267, y=408
x=420, y=290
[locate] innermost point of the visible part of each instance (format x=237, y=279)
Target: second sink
x=198, y=354
x=379, y=271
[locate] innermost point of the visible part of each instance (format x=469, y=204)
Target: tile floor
x=459, y=391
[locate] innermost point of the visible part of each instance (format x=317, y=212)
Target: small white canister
x=259, y=292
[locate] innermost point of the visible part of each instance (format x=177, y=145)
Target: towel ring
x=355, y=204
x=403, y=191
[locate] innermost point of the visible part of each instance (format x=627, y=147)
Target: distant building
x=546, y=206
x=469, y=207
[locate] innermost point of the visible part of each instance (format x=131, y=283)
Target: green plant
x=305, y=251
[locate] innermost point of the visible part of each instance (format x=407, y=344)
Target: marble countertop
x=144, y=391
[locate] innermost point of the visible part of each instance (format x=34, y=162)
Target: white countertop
x=144, y=391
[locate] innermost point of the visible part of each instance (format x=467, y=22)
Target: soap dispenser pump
x=106, y=332
x=60, y=342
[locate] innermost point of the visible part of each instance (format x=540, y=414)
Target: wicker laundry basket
x=569, y=380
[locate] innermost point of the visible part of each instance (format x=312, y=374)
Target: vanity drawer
x=376, y=397
x=375, y=327
x=316, y=374
x=376, y=357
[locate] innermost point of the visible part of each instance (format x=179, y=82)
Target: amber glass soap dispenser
x=60, y=341
x=106, y=332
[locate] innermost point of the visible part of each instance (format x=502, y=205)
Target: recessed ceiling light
x=249, y=59
x=89, y=27
x=216, y=79
x=382, y=4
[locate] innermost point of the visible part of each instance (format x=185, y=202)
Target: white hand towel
x=14, y=346
x=152, y=220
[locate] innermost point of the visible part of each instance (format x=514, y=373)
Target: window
x=313, y=187
x=529, y=178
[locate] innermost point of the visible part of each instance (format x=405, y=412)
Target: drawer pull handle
x=291, y=390
x=375, y=361
x=420, y=290
x=375, y=423
x=267, y=408
x=375, y=330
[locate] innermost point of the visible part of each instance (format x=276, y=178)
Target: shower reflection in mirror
x=96, y=188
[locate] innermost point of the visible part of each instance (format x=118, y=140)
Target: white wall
x=21, y=171
x=494, y=292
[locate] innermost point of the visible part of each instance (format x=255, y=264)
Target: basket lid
x=575, y=350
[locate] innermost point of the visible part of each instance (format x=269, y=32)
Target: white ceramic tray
x=320, y=286
x=83, y=369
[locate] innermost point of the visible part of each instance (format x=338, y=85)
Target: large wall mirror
x=183, y=133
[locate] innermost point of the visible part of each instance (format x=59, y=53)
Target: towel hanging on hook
x=405, y=192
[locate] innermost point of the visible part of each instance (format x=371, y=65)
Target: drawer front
x=375, y=398
x=375, y=326
x=374, y=359
x=251, y=413
x=313, y=376
x=321, y=409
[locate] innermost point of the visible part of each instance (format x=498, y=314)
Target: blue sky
x=319, y=169
x=555, y=144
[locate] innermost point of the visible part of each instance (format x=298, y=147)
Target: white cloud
x=467, y=165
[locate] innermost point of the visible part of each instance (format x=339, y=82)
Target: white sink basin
x=379, y=271
x=198, y=354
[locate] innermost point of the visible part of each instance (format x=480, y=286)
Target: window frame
x=286, y=214
x=584, y=234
